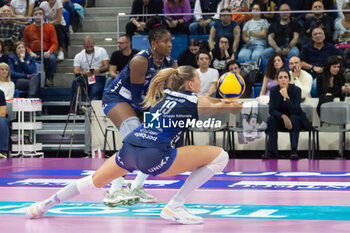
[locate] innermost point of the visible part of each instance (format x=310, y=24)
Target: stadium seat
x=199, y=37
x=333, y=114
x=140, y=42
x=180, y=42
x=313, y=92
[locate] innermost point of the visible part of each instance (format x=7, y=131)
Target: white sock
x=77, y=187
x=139, y=180
x=117, y=184
x=198, y=177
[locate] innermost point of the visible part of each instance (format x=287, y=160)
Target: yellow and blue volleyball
x=231, y=86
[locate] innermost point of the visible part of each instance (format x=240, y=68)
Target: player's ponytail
x=174, y=79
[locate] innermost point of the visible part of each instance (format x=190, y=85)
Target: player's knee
x=129, y=125
x=219, y=163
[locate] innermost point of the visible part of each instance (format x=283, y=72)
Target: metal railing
x=122, y=15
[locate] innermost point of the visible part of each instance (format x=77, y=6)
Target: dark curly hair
x=156, y=28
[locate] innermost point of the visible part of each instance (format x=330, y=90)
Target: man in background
x=300, y=78
x=120, y=58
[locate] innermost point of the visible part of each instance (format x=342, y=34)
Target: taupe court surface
x=249, y=196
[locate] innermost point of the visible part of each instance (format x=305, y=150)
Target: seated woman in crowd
x=341, y=33
x=177, y=23
x=6, y=85
x=275, y=63
x=23, y=70
x=285, y=114
x=254, y=36
x=53, y=13
x=221, y=54
x=188, y=56
x=238, y=6
x=3, y=53
x=330, y=83
x=22, y=8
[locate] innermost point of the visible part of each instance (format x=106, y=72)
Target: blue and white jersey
x=121, y=84
x=165, y=122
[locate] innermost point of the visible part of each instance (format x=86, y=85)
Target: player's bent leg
x=210, y=161
x=105, y=174
x=124, y=118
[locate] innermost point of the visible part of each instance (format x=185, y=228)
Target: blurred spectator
x=142, y=7
x=330, y=83
x=120, y=58
x=178, y=23
x=254, y=36
x=267, y=5
x=20, y=8
x=239, y=6
x=300, y=78
x=294, y=5
x=6, y=85
x=275, y=63
x=3, y=52
x=69, y=6
x=342, y=29
x=320, y=19
x=328, y=5
x=188, y=56
x=208, y=76
x=283, y=36
x=225, y=27
x=339, y=4
x=234, y=66
x=221, y=54
x=53, y=13
x=4, y=127
x=24, y=70
x=91, y=64
x=314, y=54
x=203, y=23
x=10, y=32
x=32, y=40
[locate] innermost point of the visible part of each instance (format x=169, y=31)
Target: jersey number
x=167, y=106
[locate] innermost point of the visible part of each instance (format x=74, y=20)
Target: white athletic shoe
x=180, y=214
x=120, y=197
x=35, y=210
x=60, y=56
x=141, y=193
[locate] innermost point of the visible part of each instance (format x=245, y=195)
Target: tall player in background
x=121, y=103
